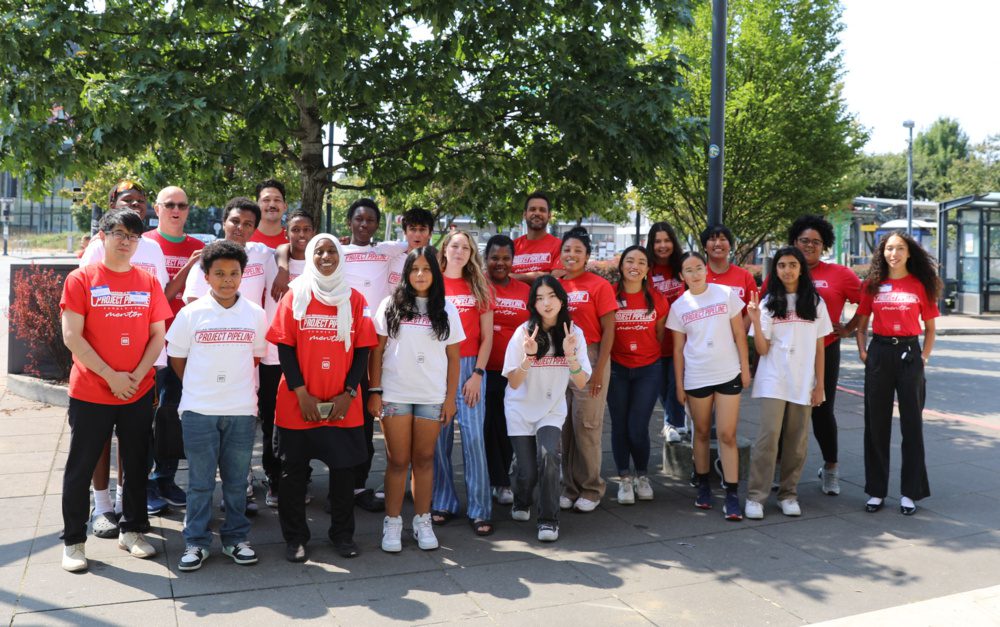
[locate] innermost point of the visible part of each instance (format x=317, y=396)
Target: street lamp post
x=909, y=180
x=717, y=113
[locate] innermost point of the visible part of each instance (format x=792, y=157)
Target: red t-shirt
x=737, y=278
x=510, y=310
x=590, y=297
x=540, y=255
x=271, y=241
x=117, y=310
x=898, y=306
x=322, y=359
x=635, y=329
x=176, y=256
x=458, y=292
x=670, y=286
x=836, y=285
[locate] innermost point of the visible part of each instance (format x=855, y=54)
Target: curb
x=987, y=331
x=37, y=390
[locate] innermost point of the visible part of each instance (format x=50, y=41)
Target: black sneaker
x=295, y=552
x=367, y=501
x=242, y=553
x=172, y=494
x=704, y=499
x=346, y=549
x=192, y=559
x=731, y=509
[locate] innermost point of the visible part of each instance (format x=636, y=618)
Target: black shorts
x=729, y=388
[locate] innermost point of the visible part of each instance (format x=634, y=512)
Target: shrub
x=35, y=319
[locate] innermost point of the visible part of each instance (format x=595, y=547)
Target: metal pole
x=637, y=227
x=717, y=116
x=909, y=181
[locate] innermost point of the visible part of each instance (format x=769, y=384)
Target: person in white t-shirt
x=414, y=386
x=214, y=345
x=543, y=356
x=711, y=359
x=789, y=328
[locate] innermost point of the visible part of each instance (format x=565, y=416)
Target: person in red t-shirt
x=271, y=199
x=181, y=253
x=592, y=307
x=113, y=323
x=510, y=311
x=901, y=290
x=665, y=252
x=635, y=372
x=536, y=252
x=717, y=242
x=465, y=286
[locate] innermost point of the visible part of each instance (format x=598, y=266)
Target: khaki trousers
x=775, y=413
x=581, y=436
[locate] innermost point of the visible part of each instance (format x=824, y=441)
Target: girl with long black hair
x=543, y=356
x=414, y=382
x=901, y=290
x=789, y=326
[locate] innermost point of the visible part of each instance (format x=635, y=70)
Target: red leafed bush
x=35, y=319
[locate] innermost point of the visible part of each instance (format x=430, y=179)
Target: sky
x=921, y=60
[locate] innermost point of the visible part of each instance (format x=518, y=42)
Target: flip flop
x=440, y=517
x=482, y=527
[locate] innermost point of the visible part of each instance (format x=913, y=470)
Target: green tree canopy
x=790, y=142
x=505, y=97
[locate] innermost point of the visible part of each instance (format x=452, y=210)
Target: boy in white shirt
x=214, y=345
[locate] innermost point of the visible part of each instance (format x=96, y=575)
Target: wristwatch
x=479, y=371
x=353, y=392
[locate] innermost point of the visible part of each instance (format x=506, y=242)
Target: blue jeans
x=631, y=397
x=673, y=411
x=168, y=391
x=226, y=443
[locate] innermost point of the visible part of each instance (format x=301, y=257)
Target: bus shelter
x=969, y=238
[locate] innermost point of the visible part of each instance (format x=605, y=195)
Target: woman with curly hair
x=414, y=380
x=465, y=287
x=901, y=290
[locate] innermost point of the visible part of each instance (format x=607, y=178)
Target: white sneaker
x=584, y=505
x=565, y=502
x=831, y=480
x=643, y=489
x=548, y=532
x=790, y=507
x=670, y=434
x=505, y=496
x=192, y=559
x=135, y=543
x=753, y=510
x=74, y=558
x=392, y=534
x=520, y=515
x=423, y=531
x=626, y=495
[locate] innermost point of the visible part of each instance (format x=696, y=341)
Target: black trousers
x=895, y=370
x=267, y=397
x=295, y=448
x=91, y=425
x=361, y=470
x=824, y=422
x=499, y=451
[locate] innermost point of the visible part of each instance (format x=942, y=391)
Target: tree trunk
x=310, y=134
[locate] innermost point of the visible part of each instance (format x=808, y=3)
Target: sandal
x=441, y=517
x=482, y=528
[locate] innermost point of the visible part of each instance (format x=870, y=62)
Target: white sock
x=118, y=500
x=874, y=501
x=907, y=502
x=102, y=502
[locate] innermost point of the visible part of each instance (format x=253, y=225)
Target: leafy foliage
x=35, y=319
x=790, y=142
x=502, y=97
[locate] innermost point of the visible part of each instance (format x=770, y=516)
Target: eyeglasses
x=183, y=206
x=122, y=236
x=805, y=241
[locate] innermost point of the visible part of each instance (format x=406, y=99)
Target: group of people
x=522, y=347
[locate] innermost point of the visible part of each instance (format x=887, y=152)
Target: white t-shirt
x=148, y=257
x=295, y=268
x=415, y=362
x=220, y=345
x=366, y=268
x=787, y=371
x=540, y=401
x=258, y=276
x=710, y=353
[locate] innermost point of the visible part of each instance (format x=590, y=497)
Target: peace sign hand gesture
x=570, y=341
x=753, y=307
x=530, y=345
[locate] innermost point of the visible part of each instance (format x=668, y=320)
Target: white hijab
x=330, y=290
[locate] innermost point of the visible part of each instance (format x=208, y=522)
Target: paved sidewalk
x=662, y=562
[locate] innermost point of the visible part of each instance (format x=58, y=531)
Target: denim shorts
x=427, y=412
